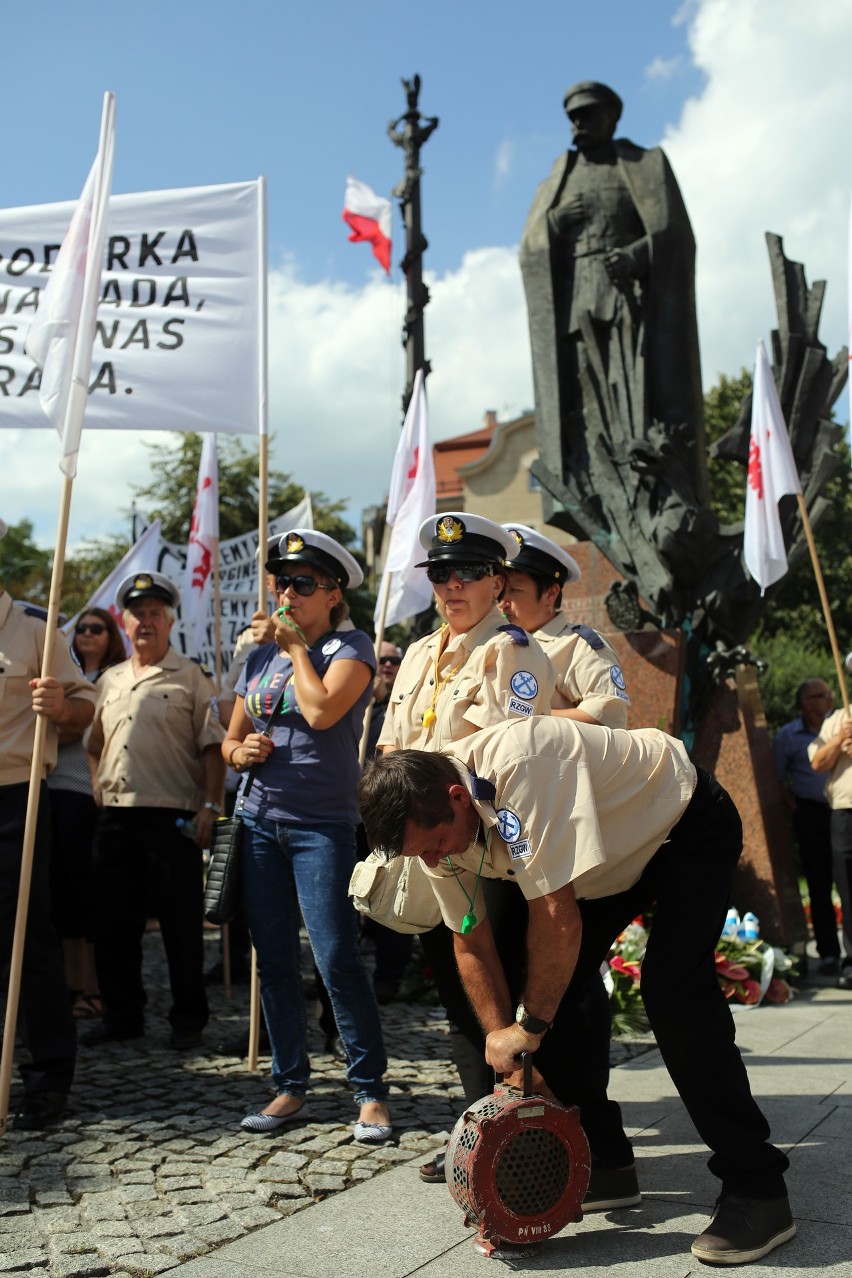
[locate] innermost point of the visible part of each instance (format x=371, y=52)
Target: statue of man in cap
x=608, y=261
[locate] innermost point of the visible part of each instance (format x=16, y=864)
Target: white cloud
x=662, y=69
x=503, y=161
x=764, y=147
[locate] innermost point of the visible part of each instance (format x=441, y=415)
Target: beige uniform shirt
x=21, y=649
x=484, y=678
x=838, y=790
x=572, y=803
x=244, y=645
x=150, y=731
x=587, y=678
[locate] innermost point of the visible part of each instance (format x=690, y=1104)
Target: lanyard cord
x=469, y=920
x=430, y=714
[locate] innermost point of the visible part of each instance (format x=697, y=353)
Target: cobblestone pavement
x=150, y=1167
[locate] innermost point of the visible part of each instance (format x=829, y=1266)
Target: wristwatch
x=532, y=1024
x=214, y=807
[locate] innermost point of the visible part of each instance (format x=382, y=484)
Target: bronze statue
x=608, y=261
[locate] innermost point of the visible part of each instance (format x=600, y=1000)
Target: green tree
x=727, y=478
x=24, y=567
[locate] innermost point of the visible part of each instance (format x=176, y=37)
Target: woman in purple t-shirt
x=300, y=818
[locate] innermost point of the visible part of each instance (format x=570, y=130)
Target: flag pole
x=384, y=595
x=74, y=411
x=826, y=610
x=262, y=535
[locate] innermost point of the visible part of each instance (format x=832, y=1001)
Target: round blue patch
x=524, y=684
x=617, y=677
x=508, y=825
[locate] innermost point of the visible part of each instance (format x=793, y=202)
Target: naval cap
x=463, y=538
x=588, y=92
x=537, y=554
x=147, y=585
x=307, y=546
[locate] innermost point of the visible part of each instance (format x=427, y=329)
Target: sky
x=751, y=100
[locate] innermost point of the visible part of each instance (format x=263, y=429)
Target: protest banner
x=179, y=323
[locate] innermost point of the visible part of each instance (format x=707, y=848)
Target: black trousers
x=45, y=1005
x=841, y=846
x=812, y=824
x=140, y=858
x=688, y=881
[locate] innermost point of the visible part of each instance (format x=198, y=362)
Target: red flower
x=627, y=969
x=733, y=971
x=749, y=992
x=779, y=991
x=729, y=989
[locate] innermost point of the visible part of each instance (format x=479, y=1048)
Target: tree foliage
x=24, y=567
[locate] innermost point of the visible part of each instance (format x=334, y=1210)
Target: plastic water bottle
x=187, y=827
x=732, y=924
x=749, y=929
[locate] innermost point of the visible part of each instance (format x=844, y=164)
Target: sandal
x=87, y=1007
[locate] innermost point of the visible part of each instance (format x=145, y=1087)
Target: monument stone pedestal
x=731, y=742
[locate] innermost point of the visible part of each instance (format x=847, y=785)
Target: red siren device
x=518, y=1166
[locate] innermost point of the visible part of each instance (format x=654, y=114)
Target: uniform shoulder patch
x=205, y=669
x=591, y=637
x=508, y=825
x=481, y=788
x=516, y=634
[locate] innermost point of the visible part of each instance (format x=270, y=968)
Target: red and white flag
x=203, y=542
x=369, y=218
x=772, y=474
x=411, y=500
x=61, y=336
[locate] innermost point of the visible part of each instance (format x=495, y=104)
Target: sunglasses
x=440, y=573
x=389, y=661
x=302, y=585
x=90, y=628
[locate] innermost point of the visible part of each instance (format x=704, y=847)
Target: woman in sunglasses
x=296, y=725
x=474, y=672
x=96, y=645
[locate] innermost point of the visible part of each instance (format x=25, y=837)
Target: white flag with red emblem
x=203, y=539
x=369, y=218
x=142, y=556
x=61, y=336
x=772, y=475
x=411, y=500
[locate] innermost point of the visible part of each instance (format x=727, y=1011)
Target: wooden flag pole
x=826, y=610
x=263, y=534
x=36, y=776
x=384, y=594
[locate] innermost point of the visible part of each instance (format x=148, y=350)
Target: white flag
x=61, y=337
x=143, y=556
x=203, y=538
x=411, y=500
x=771, y=475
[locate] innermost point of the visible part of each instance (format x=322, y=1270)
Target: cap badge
x=513, y=532
x=143, y=582
x=450, y=530
x=295, y=543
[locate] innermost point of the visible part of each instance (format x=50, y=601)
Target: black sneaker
x=744, y=1229
x=611, y=1188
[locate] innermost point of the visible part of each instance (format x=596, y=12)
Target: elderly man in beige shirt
x=596, y=825
x=831, y=752
x=156, y=766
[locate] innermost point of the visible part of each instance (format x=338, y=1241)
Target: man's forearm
x=483, y=977
x=214, y=773
x=554, y=932
x=75, y=716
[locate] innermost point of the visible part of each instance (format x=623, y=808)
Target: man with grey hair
x=156, y=763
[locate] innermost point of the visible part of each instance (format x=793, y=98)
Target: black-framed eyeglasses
x=90, y=628
x=303, y=585
x=438, y=574
x=389, y=661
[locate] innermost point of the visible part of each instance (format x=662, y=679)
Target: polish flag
x=411, y=500
x=203, y=543
x=369, y=218
x=772, y=475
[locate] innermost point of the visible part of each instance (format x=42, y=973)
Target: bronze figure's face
x=592, y=124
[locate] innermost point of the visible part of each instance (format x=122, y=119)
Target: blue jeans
x=285, y=867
